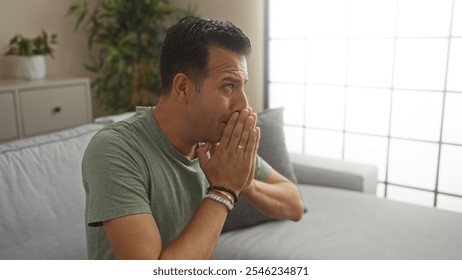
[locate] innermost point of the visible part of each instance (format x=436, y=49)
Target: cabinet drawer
x=8, y=122
x=53, y=108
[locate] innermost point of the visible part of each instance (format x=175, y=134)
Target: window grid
x=268, y=82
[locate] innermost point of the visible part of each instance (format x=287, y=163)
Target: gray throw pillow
x=273, y=150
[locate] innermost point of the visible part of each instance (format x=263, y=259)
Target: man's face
x=220, y=94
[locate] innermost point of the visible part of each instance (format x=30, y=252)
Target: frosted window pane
x=380, y=190
x=450, y=203
x=455, y=66
x=457, y=20
x=326, y=61
x=424, y=198
x=368, y=110
x=294, y=139
x=452, y=129
x=287, y=61
x=370, y=62
x=369, y=150
x=324, y=143
x=372, y=18
x=413, y=163
x=326, y=18
x=424, y=17
x=450, y=179
x=420, y=63
x=324, y=107
x=417, y=115
x=285, y=21
x=289, y=96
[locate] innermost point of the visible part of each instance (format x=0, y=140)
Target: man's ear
x=183, y=86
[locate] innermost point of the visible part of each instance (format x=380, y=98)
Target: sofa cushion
x=273, y=150
x=42, y=198
x=272, y=142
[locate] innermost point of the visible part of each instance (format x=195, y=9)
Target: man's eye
x=229, y=86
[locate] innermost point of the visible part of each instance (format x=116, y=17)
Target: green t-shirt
x=130, y=167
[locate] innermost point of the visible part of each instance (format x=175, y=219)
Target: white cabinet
x=30, y=108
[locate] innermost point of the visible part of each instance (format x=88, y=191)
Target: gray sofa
x=345, y=220
x=42, y=205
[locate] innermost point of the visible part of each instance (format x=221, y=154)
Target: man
x=147, y=178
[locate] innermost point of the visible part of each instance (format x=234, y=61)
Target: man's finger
x=238, y=130
x=202, y=153
x=228, y=131
x=251, y=151
x=249, y=125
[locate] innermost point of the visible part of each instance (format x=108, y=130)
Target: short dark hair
x=186, y=47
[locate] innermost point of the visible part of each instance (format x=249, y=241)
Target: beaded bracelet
x=222, y=194
x=221, y=200
x=220, y=188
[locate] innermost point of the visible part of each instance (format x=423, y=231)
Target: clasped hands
x=231, y=162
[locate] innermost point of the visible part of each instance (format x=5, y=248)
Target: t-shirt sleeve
x=114, y=179
x=262, y=169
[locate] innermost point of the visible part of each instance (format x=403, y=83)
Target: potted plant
x=32, y=52
x=125, y=39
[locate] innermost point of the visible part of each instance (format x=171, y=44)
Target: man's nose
x=241, y=101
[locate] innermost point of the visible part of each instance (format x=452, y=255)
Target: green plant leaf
x=39, y=45
x=80, y=11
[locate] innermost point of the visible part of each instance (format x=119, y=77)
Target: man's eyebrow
x=233, y=79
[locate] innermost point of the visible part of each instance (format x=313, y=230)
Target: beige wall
x=30, y=17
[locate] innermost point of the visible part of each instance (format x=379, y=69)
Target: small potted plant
x=32, y=52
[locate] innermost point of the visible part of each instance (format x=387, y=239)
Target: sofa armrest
x=113, y=118
x=335, y=173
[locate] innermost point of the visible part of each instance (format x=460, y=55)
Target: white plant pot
x=33, y=67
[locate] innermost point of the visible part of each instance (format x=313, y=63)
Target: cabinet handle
x=56, y=110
